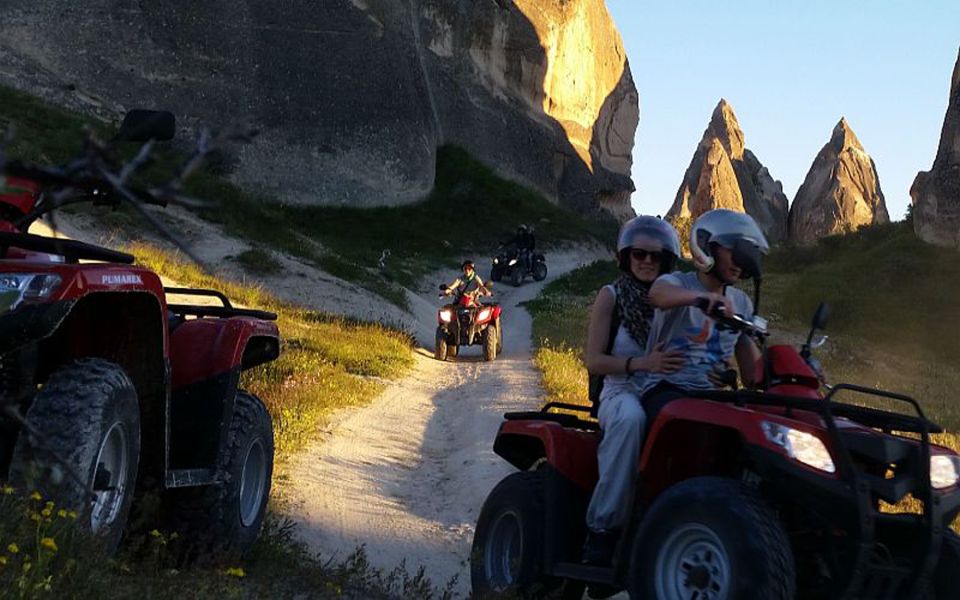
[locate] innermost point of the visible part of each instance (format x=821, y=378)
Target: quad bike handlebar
x=756, y=327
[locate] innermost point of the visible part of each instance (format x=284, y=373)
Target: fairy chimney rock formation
x=841, y=192
x=936, y=193
x=725, y=174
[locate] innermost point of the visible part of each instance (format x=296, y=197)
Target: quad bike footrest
x=177, y=478
x=579, y=572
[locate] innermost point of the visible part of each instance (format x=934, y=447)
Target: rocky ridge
x=725, y=174
x=936, y=193
x=840, y=193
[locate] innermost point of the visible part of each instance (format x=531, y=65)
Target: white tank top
x=623, y=345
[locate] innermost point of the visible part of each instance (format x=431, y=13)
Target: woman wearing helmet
x=616, y=349
x=726, y=247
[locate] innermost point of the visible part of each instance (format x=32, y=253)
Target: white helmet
x=730, y=229
x=651, y=227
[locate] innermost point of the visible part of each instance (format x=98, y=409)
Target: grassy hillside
x=469, y=210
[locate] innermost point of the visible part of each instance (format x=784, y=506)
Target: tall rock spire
x=725, y=174
x=936, y=193
x=841, y=192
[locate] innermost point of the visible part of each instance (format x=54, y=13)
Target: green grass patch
x=259, y=261
x=324, y=361
x=560, y=317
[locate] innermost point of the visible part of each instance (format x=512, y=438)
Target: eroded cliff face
x=352, y=97
x=936, y=193
x=725, y=174
x=841, y=192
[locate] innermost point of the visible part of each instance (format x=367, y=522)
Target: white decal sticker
x=124, y=279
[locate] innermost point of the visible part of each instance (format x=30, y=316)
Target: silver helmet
x=730, y=229
x=652, y=228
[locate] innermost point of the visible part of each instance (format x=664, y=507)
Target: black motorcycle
x=510, y=265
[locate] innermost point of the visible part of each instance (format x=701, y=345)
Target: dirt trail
x=406, y=475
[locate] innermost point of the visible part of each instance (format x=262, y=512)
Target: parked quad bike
x=468, y=322
x=749, y=494
x=508, y=265
x=106, y=389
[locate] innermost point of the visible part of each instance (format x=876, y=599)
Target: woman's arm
x=598, y=362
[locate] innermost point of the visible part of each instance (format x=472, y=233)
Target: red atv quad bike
x=467, y=322
x=106, y=390
x=763, y=494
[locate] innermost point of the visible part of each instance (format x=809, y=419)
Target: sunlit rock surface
x=936, y=193
x=725, y=174
x=841, y=192
x=353, y=97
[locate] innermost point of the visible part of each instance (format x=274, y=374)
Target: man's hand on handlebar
x=715, y=305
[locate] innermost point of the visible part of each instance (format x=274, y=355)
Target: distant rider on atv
x=525, y=242
x=647, y=247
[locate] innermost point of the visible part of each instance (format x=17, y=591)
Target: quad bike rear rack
x=869, y=578
x=225, y=311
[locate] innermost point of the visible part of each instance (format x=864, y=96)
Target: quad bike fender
x=571, y=452
x=201, y=349
x=694, y=437
x=207, y=356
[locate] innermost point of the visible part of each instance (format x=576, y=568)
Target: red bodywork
x=119, y=312
x=689, y=437
x=19, y=193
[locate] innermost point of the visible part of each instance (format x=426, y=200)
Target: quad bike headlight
x=944, y=470
x=17, y=288
x=483, y=314
x=801, y=446
x=512, y=262
x=496, y=261
x=446, y=315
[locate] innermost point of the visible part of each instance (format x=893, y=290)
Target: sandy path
x=406, y=476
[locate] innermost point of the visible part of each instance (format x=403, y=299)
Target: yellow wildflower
x=46, y=512
x=49, y=505
x=62, y=514
x=36, y=496
x=72, y=514
x=155, y=533
x=3, y=560
x=7, y=490
x=13, y=548
x=235, y=572
x=35, y=517
x=49, y=544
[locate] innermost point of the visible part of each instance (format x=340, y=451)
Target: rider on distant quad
x=525, y=242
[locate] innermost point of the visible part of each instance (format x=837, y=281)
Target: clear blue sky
x=790, y=70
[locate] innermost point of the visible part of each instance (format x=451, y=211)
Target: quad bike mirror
x=821, y=317
x=144, y=125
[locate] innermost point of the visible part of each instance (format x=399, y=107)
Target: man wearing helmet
x=616, y=350
x=726, y=247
